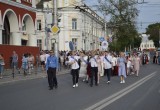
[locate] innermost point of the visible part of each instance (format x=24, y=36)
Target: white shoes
x=76, y=84
x=122, y=81
x=108, y=82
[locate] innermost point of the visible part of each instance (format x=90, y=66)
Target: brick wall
x=7, y=51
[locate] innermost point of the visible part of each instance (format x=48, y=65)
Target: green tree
x=153, y=30
x=122, y=14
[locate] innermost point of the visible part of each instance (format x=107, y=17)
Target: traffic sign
x=101, y=39
x=55, y=29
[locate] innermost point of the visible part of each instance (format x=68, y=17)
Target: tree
x=122, y=14
x=153, y=30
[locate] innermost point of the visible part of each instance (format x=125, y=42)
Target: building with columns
x=18, y=22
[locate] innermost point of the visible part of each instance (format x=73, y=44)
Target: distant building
x=146, y=44
x=18, y=22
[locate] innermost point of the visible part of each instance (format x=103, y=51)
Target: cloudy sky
x=149, y=13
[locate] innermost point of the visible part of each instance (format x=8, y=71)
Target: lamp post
x=55, y=23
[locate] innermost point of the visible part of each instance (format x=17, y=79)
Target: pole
x=159, y=37
x=105, y=28
x=46, y=32
x=46, y=29
x=55, y=23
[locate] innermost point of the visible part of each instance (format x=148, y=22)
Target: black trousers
x=52, y=80
x=94, y=73
x=75, y=75
x=108, y=73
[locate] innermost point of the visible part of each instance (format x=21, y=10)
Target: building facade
x=80, y=25
x=18, y=22
x=146, y=44
x=44, y=22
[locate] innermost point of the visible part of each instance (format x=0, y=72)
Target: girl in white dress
x=83, y=69
x=99, y=62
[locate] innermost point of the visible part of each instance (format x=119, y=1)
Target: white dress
x=102, y=66
x=83, y=69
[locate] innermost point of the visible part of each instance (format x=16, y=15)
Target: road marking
x=105, y=102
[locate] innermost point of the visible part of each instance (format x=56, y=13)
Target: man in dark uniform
x=51, y=67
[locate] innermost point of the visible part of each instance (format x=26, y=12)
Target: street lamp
x=55, y=23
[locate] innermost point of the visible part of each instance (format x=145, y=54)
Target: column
x=15, y=38
x=0, y=36
x=32, y=40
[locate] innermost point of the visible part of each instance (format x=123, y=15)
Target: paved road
x=34, y=94
x=35, y=73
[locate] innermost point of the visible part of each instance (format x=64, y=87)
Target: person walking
x=1, y=66
x=136, y=64
x=51, y=67
x=122, y=67
x=73, y=61
x=108, y=66
x=94, y=69
x=25, y=64
x=99, y=63
x=14, y=63
x=42, y=60
x=114, y=64
x=83, y=70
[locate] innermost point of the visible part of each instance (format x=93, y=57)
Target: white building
x=44, y=21
x=146, y=44
x=80, y=25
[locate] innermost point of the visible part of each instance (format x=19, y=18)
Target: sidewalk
x=35, y=74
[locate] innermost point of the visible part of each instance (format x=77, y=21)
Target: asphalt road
x=138, y=93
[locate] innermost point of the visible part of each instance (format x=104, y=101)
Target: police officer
x=51, y=67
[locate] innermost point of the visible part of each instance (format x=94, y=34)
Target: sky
x=149, y=13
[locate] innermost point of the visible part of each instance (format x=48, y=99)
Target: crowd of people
x=89, y=66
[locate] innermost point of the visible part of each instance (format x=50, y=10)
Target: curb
x=29, y=77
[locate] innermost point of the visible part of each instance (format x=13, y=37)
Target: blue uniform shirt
x=52, y=62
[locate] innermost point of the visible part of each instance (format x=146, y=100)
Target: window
x=39, y=27
x=39, y=43
x=74, y=24
x=24, y=26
